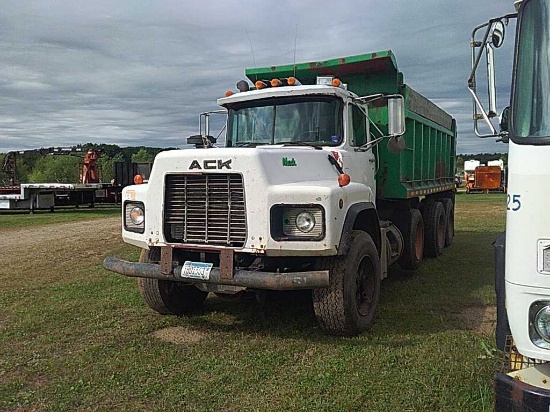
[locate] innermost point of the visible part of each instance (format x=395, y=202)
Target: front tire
x=349, y=305
x=168, y=297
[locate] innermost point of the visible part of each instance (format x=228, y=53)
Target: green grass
x=22, y=218
x=88, y=344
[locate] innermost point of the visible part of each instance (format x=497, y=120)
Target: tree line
x=33, y=166
x=36, y=167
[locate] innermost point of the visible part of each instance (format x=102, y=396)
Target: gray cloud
x=138, y=73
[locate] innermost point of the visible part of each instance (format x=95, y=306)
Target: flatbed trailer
x=35, y=196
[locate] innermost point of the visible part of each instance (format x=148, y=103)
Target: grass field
x=75, y=337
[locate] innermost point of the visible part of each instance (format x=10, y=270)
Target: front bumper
x=513, y=394
x=238, y=277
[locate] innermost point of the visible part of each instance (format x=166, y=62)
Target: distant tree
x=108, y=150
x=4, y=178
x=35, y=166
x=106, y=166
x=23, y=166
x=143, y=156
x=56, y=169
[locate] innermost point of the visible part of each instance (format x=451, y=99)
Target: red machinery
x=485, y=179
x=89, y=169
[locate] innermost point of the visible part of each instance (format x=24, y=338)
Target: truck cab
x=323, y=117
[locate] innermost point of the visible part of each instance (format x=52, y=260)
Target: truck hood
x=271, y=165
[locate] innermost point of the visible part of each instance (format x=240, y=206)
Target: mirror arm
x=485, y=117
x=368, y=99
x=371, y=144
x=473, y=43
x=503, y=137
x=476, y=58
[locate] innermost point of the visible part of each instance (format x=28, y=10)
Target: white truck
x=331, y=172
x=522, y=259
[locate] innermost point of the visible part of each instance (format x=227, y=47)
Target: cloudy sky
x=138, y=72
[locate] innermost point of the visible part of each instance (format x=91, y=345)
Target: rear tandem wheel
x=413, y=241
x=435, y=225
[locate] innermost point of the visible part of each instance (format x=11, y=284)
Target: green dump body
x=427, y=164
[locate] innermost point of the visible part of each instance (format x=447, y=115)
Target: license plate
x=196, y=270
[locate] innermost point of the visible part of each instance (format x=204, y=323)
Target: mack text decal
x=210, y=164
x=289, y=162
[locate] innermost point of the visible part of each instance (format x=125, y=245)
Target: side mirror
x=486, y=38
x=497, y=35
x=396, y=115
x=504, y=119
x=199, y=141
x=396, y=144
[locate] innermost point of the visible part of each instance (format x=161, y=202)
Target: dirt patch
x=480, y=319
x=179, y=335
x=46, y=254
x=22, y=238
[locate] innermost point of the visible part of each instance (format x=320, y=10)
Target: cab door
x=362, y=164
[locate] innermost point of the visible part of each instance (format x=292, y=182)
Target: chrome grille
x=205, y=209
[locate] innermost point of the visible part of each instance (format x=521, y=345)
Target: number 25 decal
x=513, y=202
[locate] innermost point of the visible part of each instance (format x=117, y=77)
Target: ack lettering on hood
x=210, y=164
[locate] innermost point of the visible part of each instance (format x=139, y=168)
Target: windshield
x=531, y=103
x=312, y=120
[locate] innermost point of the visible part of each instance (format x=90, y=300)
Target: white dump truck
x=330, y=172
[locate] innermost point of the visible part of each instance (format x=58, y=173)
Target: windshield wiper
x=247, y=144
x=316, y=145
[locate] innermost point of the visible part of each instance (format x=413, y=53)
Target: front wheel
x=349, y=305
x=168, y=297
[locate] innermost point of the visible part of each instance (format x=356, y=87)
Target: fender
x=502, y=326
x=362, y=216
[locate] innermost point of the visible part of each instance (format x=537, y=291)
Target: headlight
x=137, y=215
x=539, y=324
x=542, y=323
x=305, y=222
x=134, y=217
x=295, y=222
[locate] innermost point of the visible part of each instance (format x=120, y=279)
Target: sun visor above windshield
x=363, y=71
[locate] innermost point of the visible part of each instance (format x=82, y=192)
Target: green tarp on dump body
x=427, y=165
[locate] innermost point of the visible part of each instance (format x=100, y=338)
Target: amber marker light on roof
x=291, y=81
x=344, y=179
x=336, y=82
x=138, y=179
x=228, y=93
x=260, y=85
x=276, y=83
